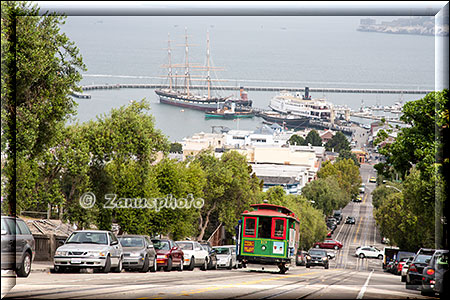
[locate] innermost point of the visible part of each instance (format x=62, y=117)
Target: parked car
x=300, y=259
x=338, y=216
x=317, y=257
x=98, y=249
x=432, y=274
x=226, y=257
x=18, y=246
x=329, y=244
x=362, y=189
x=414, y=274
x=373, y=180
x=168, y=254
x=138, y=253
x=399, y=260
x=405, y=268
x=358, y=199
x=194, y=255
x=368, y=251
x=350, y=220
x=331, y=255
x=212, y=259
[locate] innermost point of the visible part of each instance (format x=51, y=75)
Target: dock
x=258, y=88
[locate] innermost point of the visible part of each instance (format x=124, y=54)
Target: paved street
x=348, y=277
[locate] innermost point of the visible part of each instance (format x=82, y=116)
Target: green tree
x=325, y=194
x=40, y=69
x=346, y=154
x=337, y=143
x=297, y=140
x=347, y=175
x=313, y=138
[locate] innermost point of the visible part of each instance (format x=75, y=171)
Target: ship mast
x=208, y=75
x=186, y=65
x=170, y=62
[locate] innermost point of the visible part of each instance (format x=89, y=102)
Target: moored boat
x=286, y=120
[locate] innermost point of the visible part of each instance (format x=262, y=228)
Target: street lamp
x=390, y=186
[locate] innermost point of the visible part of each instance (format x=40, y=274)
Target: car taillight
x=430, y=271
x=412, y=268
x=399, y=267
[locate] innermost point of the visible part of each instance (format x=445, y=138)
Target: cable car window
x=278, y=228
x=250, y=227
x=264, y=226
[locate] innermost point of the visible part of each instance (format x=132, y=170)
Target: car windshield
x=185, y=246
x=222, y=250
x=131, y=241
x=88, y=238
x=422, y=258
x=161, y=245
x=317, y=252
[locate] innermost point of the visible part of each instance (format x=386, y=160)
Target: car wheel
x=204, y=267
x=191, y=264
x=336, y=248
x=168, y=268
x=119, y=267
x=25, y=267
x=361, y=255
x=59, y=269
x=107, y=266
x=146, y=265
x=154, y=268
x=380, y=256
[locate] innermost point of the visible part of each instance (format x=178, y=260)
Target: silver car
x=138, y=253
x=99, y=249
x=226, y=257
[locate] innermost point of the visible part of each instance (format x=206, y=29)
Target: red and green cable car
x=268, y=235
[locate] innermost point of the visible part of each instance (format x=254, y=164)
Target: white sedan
x=194, y=255
x=368, y=251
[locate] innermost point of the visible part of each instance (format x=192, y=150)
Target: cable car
x=267, y=236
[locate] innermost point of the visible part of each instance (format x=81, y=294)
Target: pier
x=252, y=88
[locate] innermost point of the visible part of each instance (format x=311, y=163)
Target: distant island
x=413, y=25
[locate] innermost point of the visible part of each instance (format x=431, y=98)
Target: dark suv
x=317, y=257
x=414, y=274
x=18, y=246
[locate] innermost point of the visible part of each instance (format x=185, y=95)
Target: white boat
x=301, y=105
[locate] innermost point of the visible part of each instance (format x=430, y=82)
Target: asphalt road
x=348, y=277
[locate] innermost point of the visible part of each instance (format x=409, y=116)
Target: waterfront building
x=202, y=141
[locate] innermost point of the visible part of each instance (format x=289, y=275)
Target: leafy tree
x=230, y=189
x=347, y=175
x=338, y=142
x=176, y=148
x=313, y=138
x=346, y=154
x=420, y=144
x=40, y=69
x=325, y=194
x=297, y=140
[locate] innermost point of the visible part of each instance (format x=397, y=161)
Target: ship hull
x=300, y=122
x=227, y=116
x=177, y=100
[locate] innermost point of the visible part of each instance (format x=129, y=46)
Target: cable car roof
x=270, y=210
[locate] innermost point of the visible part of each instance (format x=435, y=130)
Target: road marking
x=213, y=288
x=363, y=289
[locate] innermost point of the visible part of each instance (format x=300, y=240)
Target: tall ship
x=302, y=106
x=183, y=96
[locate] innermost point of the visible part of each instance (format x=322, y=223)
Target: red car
x=168, y=254
x=329, y=244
